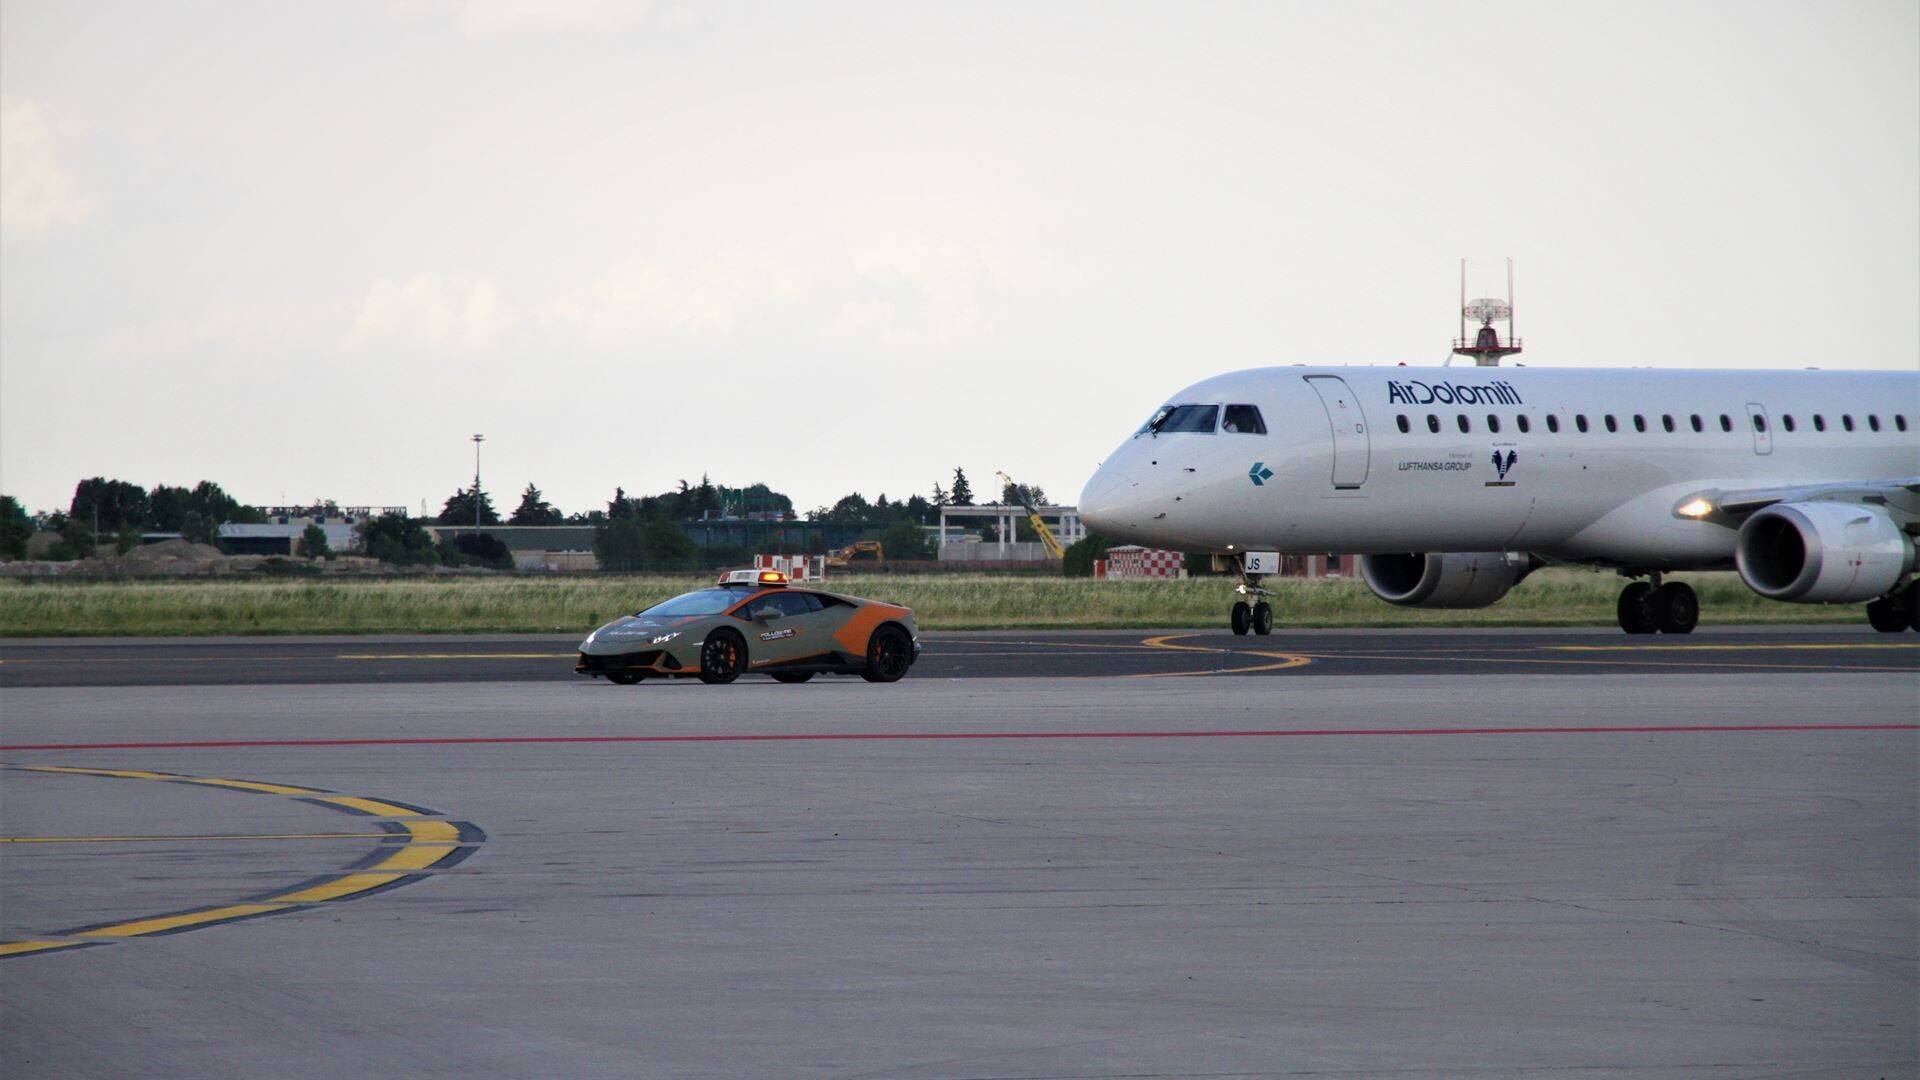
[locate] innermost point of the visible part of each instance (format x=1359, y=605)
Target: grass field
x=577, y=604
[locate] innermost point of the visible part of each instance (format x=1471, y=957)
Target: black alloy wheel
x=723, y=656
x=623, y=678
x=889, y=654
x=1263, y=618
x=1676, y=610
x=1636, y=609
x=1241, y=617
x=792, y=676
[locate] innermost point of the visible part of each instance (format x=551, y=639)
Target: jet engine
x=1822, y=552
x=1451, y=579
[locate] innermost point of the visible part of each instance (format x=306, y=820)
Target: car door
x=780, y=627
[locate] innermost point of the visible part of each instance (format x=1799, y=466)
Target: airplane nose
x=1097, y=501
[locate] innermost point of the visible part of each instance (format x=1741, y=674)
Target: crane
x=1033, y=518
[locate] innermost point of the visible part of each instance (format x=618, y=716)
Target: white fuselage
x=1345, y=476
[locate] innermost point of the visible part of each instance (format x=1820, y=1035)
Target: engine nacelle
x=1451, y=579
x=1822, y=552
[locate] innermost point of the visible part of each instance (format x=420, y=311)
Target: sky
x=308, y=250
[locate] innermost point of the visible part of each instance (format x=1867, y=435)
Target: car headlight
x=664, y=638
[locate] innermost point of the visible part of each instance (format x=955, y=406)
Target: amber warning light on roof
x=753, y=577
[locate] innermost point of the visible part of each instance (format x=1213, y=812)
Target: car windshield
x=703, y=602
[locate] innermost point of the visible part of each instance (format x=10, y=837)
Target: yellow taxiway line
x=426, y=841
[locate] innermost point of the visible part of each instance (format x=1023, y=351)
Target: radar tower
x=1487, y=345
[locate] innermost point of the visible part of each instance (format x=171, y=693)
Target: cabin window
x=1612, y=425
x=1873, y=422
x=1580, y=421
x=1819, y=422
x=1899, y=421
x=1493, y=423
x=1666, y=422
x=1726, y=422
x=1786, y=421
x=1639, y=423
x=1759, y=423
x=1553, y=423
x=1191, y=419
x=1524, y=425
x=1846, y=421
x=1433, y=423
x=1404, y=426
x=1697, y=425
x=1243, y=420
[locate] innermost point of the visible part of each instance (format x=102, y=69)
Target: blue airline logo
x=1259, y=474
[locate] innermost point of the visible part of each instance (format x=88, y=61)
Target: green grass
x=943, y=602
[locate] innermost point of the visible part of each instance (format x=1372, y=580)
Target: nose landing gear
x=1649, y=606
x=1257, y=616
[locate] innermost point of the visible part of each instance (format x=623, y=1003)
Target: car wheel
x=792, y=676
x=623, y=678
x=723, y=656
x=889, y=654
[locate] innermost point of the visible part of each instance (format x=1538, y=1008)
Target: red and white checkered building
x=796, y=567
x=1133, y=563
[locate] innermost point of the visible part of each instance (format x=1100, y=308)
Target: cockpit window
x=1243, y=420
x=1187, y=418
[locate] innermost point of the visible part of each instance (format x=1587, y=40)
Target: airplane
x=1452, y=484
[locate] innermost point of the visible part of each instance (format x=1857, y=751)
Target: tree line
x=631, y=532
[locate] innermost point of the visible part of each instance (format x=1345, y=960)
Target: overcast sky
x=307, y=250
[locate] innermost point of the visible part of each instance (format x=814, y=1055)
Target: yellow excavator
x=1033, y=518
x=839, y=558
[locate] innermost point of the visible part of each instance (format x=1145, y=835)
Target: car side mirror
x=766, y=614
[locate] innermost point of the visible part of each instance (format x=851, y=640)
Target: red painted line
x=953, y=736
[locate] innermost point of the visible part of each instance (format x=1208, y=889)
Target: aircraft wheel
x=1888, y=615
x=723, y=656
x=622, y=678
x=1241, y=617
x=1912, y=593
x=792, y=676
x=1676, y=610
x=1636, y=609
x=1263, y=618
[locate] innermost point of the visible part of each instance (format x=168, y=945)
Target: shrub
x=398, y=539
x=1081, y=555
x=313, y=543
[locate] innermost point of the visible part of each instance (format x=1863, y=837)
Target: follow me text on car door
x=785, y=626
x=1351, y=443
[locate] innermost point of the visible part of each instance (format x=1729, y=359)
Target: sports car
x=754, y=623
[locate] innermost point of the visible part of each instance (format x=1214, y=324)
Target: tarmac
x=1357, y=853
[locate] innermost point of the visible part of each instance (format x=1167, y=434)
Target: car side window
x=1243, y=420
x=786, y=603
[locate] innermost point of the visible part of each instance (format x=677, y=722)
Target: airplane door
x=1351, y=444
x=1762, y=435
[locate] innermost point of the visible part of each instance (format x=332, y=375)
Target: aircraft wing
x=1900, y=495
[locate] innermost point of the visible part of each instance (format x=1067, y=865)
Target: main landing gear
x=1257, y=616
x=1648, y=606
x=1896, y=611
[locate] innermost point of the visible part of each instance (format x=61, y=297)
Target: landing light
x=1694, y=508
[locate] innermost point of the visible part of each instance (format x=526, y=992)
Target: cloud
x=429, y=313
x=488, y=18
x=36, y=194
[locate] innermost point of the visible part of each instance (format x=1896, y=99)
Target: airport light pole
x=477, y=440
